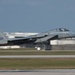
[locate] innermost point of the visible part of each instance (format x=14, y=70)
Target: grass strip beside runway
x=25, y=52
x=39, y=63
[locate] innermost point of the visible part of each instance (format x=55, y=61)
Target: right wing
x=46, y=39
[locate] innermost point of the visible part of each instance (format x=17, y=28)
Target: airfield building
x=63, y=44
x=18, y=34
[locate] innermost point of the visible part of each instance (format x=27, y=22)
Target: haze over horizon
x=36, y=15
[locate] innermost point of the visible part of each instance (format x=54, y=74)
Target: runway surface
x=39, y=72
x=37, y=56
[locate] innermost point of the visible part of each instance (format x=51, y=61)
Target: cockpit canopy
x=60, y=30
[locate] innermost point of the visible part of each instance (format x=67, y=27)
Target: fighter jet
x=41, y=40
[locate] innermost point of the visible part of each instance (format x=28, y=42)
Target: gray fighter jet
x=40, y=40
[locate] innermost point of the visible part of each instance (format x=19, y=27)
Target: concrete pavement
x=39, y=72
x=37, y=56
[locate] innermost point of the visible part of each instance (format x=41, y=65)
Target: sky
x=36, y=15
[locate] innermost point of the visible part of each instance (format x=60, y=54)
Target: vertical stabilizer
x=3, y=38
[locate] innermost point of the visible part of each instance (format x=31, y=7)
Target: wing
x=46, y=39
x=19, y=41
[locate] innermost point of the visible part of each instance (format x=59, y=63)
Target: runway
x=39, y=72
x=37, y=56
